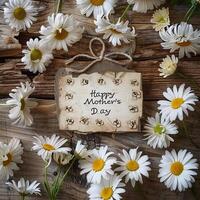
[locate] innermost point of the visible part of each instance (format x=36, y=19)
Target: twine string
x=97, y=58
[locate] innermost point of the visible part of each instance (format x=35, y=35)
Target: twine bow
x=97, y=58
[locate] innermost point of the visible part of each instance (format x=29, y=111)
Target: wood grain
x=75, y=186
x=147, y=57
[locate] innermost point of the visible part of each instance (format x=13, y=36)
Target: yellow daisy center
x=8, y=161
x=176, y=168
x=162, y=20
x=36, y=54
x=184, y=44
x=97, y=2
x=106, y=193
x=61, y=34
x=98, y=165
x=23, y=104
x=132, y=165
x=19, y=13
x=114, y=31
x=176, y=103
x=159, y=129
x=48, y=147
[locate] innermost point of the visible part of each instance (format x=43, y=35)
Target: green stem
x=59, y=6
x=46, y=182
x=22, y=197
x=125, y=11
x=65, y=174
x=190, y=12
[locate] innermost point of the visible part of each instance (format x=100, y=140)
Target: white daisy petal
x=20, y=15
x=174, y=169
x=134, y=166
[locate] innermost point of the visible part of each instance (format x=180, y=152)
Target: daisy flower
x=160, y=19
x=114, y=32
x=19, y=14
x=181, y=37
x=80, y=151
x=21, y=105
x=144, y=5
x=62, y=158
x=168, y=66
x=10, y=156
x=24, y=187
x=133, y=166
x=97, y=165
x=110, y=189
x=96, y=7
x=37, y=56
x=177, y=169
x=179, y=101
x=158, y=132
x=46, y=146
x=62, y=32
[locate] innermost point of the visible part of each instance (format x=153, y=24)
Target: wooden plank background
x=147, y=57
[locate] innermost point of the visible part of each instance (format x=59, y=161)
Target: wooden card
x=109, y=102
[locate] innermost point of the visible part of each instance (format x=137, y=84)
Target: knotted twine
x=97, y=58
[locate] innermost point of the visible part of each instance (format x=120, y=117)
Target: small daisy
x=80, y=151
x=158, y=132
x=10, y=156
x=160, y=19
x=181, y=37
x=46, y=146
x=144, y=5
x=37, y=56
x=97, y=165
x=21, y=105
x=110, y=189
x=114, y=32
x=24, y=187
x=19, y=14
x=97, y=7
x=133, y=166
x=177, y=170
x=168, y=66
x=179, y=101
x=62, y=158
x=62, y=32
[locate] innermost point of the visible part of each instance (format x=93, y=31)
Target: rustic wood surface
x=147, y=56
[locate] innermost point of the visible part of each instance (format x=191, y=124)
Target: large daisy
x=179, y=101
x=62, y=31
x=107, y=189
x=181, y=37
x=115, y=32
x=19, y=14
x=133, y=166
x=96, y=7
x=159, y=131
x=97, y=165
x=160, y=19
x=24, y=187
x=37, y=56
x=21, y=105
x=177, y=169
x=10, y=156
x=145, y=5
x=46, y=146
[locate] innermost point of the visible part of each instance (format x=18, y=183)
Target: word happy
x=101, y=98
